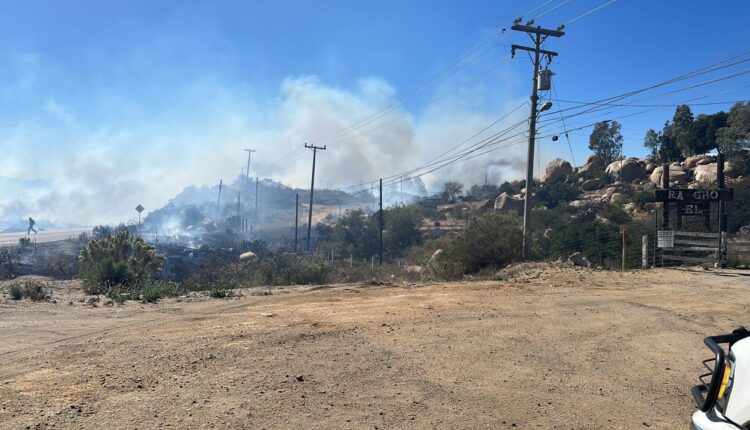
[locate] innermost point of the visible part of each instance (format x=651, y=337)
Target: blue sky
x=107, y=104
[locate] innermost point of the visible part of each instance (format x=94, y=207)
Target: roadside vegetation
x=456, y=233
x=28, y=289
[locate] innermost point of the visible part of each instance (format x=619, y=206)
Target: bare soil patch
x=547, y=347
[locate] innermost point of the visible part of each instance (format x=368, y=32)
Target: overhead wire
x=605, y=110
x=447, y=72
x=537, y=8
x=567, y=138
x=589, y=12
x=603, y=107
x=444, y=74
x=344, y=138
x=456, y=158
x=726, y=102
x=698, y=72
x=553, y=9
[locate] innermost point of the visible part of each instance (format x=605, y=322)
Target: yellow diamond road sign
x=140, y=208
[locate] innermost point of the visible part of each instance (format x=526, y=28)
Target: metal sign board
x=689, y=195
x=665, y=239
x=140, y=208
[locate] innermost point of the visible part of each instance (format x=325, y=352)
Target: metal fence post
x=624, y=247
x=644, y=252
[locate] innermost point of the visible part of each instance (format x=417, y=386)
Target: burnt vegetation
x=194, y=245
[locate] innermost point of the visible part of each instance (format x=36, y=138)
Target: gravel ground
x=547, y=347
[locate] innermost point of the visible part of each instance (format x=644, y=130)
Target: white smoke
x=99, y=173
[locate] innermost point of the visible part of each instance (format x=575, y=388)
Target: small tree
x=734, y=138
x=704, y=131
x=681, y=130
x=118, y=260
x=402, y=228
x=652, y=140
x=606, y=140
x=452, y=191
x=668, y=150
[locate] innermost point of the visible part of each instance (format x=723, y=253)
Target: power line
x=589, y=12
x=456, y=158
x=492, y=124
x=537, y=8
x=617, y=98
x=598, y=110
x=444, y=74
x=654, y=105
x=553, y=9
x=447, y=72
x=344, y=138
x=567, y=138
x=491, y=140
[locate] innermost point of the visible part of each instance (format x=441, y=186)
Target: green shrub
x=554, y=191
x=615, y=214
x=32, y=290
x=153, y=291
x=218, y=293
x=118, y=296
x=490, y=241
x=35, y=291
x=16, y=291
x=118, y=260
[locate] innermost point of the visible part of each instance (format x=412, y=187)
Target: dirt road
x=547, y=348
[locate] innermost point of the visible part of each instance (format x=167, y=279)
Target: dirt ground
x=547, y=348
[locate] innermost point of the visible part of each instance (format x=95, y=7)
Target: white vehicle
x=724, y=400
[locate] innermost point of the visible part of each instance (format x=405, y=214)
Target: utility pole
x=538, y=35
x=296, y=220
x=402, y=190
x=381, y=222
x=218, y=204
x=256, y=198
x=247, y=175
x=239, y=221
x=720, y=182
x=315, y=150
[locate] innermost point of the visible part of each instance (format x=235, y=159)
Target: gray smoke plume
x=100, y=173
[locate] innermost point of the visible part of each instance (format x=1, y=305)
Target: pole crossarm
x=538, y=30
x=513, y=49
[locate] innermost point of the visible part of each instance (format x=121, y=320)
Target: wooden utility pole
x=315, y=150
x=722, y=216
x=381, y=223
x=247, y=175
x=256, y=198
x=665, y=205
x=402, y=190
x=239, y=219
x=296, y=220
x=218, y=204
x=538, y=35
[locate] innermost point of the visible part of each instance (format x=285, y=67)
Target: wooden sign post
x=696, y=202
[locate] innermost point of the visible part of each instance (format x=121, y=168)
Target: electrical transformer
x=545, y=80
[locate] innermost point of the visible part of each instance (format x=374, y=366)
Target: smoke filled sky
x=105, y=105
